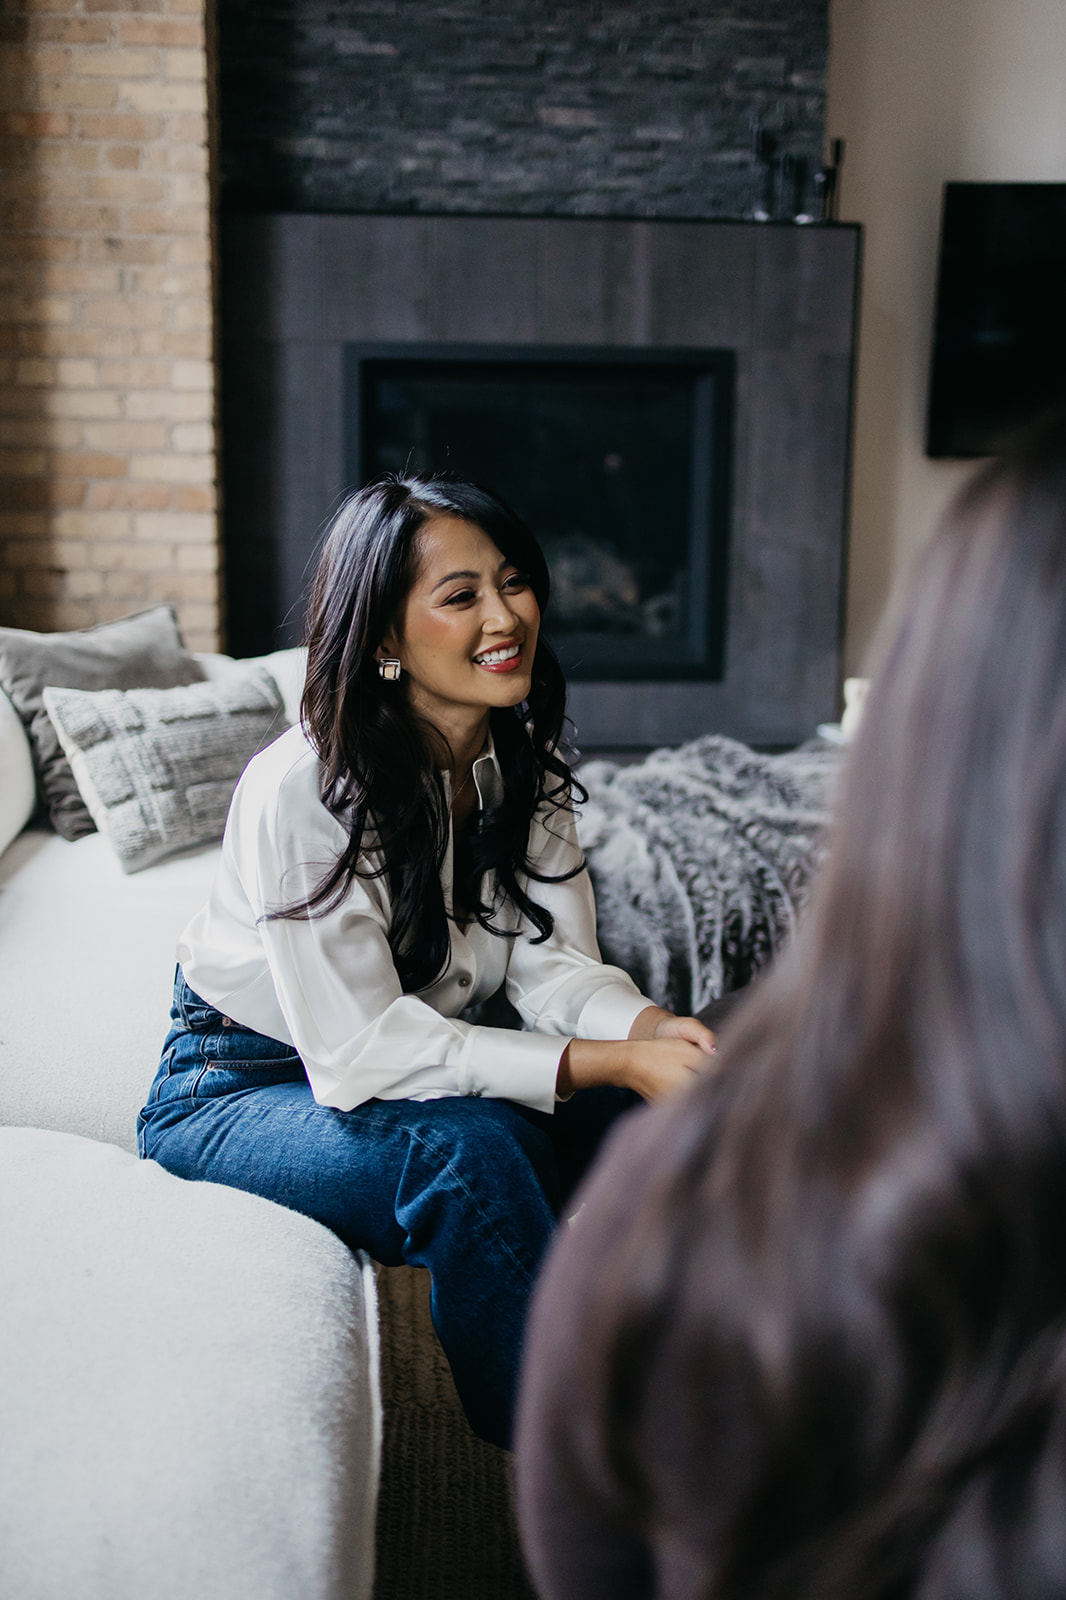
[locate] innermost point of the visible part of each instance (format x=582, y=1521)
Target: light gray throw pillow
x=142, y=651
x=157, y=767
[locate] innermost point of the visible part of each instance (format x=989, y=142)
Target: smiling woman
x=466, y=640
x=405, y=853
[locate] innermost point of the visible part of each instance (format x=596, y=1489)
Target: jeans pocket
x=234, y=1046
x=218, y=1078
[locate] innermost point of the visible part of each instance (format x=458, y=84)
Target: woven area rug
x=446, y=1528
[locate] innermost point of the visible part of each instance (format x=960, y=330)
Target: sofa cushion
x=86, y=973
x=144, y=650
x=16, y=774
x=189, y=1400
x=288, y=668
x=158, y=767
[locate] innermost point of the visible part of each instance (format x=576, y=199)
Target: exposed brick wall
x=634, y=108
x=107, y=390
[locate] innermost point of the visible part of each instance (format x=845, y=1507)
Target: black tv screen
x=999, y=340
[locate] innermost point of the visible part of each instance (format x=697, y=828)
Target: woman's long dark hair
x=379, y=760
x=826, y=1341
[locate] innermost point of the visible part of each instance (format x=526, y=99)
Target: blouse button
x=464, y=982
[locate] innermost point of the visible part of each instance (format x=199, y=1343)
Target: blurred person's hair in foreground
x=808, y=1335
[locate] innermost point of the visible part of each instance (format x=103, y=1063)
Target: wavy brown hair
x=823, y=1352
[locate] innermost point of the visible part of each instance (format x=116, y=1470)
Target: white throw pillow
x=157, y=767
x=288, y=668
x=16, y=774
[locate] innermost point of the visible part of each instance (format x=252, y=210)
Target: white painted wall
x=924, y=91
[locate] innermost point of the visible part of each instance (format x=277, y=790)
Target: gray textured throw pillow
x=142, y=651
x=158, y=767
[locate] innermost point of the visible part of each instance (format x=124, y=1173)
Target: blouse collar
x=487, y=774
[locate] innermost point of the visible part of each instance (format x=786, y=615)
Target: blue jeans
x=470, y=1188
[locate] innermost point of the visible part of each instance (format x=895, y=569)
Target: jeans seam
x=249, y=1067
x=160, y=1077
x=267, y=1063
x=196, y=1082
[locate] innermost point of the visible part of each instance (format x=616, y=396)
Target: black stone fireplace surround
x=300, y=290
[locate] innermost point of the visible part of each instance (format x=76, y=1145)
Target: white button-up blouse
x=328, y=986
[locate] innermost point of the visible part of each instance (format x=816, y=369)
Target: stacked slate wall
x=539, y=107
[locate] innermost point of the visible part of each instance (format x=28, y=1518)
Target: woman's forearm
x=645, y=1022
x=650, y=1067
x=660, y=1055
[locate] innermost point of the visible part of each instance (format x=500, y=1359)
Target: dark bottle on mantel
x=827, y=183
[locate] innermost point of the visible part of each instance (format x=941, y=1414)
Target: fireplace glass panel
x=619, y=464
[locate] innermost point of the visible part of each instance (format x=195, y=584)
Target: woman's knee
x=478, y=1135
x=481, y=1173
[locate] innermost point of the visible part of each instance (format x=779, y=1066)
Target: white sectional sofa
x=189, y=1398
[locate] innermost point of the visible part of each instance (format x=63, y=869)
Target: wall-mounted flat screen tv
x=999, y=340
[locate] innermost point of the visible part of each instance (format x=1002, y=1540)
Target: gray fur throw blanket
x=702, y=858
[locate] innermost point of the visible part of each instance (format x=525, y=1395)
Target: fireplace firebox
x=618, y=460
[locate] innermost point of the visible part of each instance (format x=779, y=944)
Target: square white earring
x=389, y=669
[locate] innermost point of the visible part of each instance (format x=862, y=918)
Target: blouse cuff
x=506, y=1065
x=610, y=1012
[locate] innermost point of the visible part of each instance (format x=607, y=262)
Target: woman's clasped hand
x=660, y=1056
